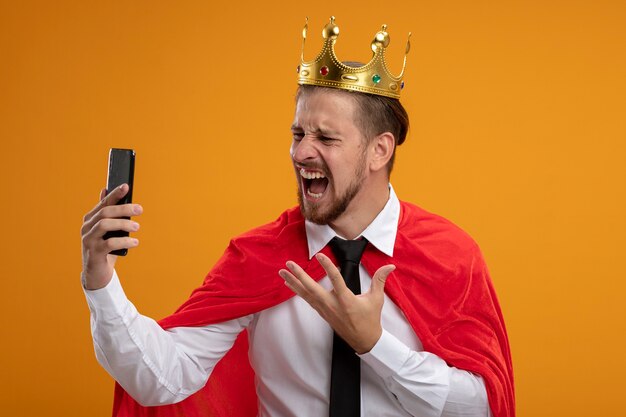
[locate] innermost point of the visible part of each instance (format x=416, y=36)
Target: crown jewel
x=328, y=71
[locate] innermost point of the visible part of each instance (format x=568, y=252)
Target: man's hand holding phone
x=105, y=217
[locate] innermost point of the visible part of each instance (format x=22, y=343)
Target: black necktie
x=345, y=375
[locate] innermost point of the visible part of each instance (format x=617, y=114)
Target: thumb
x=379, y=279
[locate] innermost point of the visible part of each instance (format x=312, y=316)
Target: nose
x=303, y=150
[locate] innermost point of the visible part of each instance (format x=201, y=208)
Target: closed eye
x=326, y=140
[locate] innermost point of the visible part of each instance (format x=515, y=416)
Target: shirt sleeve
x=424, y=384
x=153, y=365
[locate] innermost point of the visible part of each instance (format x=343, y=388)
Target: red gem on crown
x=324, y=70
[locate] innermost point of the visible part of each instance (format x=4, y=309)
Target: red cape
x=441, y=283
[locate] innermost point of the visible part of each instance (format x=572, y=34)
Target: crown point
x=381, y=39
x=408, y=44
x=331, y=30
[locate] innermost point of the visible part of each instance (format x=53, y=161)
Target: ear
x=381, y=150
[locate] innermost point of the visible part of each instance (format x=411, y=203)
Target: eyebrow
x=296, y=128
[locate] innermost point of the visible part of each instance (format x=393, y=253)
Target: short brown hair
x=376, y=115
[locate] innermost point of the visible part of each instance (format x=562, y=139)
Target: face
x=329, y=154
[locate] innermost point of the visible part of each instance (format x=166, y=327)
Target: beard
x=320, y=215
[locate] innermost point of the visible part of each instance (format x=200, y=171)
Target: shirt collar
x=381, y=232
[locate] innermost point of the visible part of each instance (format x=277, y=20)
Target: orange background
x=518, y=135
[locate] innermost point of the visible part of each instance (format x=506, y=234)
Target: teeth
x=311, y=175
x=314, y=195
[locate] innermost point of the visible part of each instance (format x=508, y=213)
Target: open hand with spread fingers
x=106, y=216
x=356, y=318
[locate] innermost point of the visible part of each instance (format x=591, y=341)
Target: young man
x=428, y=342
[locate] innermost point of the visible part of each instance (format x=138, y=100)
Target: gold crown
x=373, y=78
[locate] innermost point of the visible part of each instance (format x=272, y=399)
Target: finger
x=116, y=195
x=313, y=294
x=339, y=284
x=125, y=210
x=291, y=281
x=294, y=284
x=379, y=279
x=309, y=286
x=108, y=200
x=116, y=243
x=109, y=225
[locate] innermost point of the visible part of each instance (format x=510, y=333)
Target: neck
x=362, y=210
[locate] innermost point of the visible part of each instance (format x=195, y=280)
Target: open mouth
x=314, y=183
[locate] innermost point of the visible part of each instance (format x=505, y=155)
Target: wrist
x=92, y=283
x=369, y=342
x=388, y=356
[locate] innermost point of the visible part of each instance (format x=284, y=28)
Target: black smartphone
x=121, y=171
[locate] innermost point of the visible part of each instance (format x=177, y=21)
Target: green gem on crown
x=376, y=78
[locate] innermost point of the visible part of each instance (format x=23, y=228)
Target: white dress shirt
x=290, y=351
